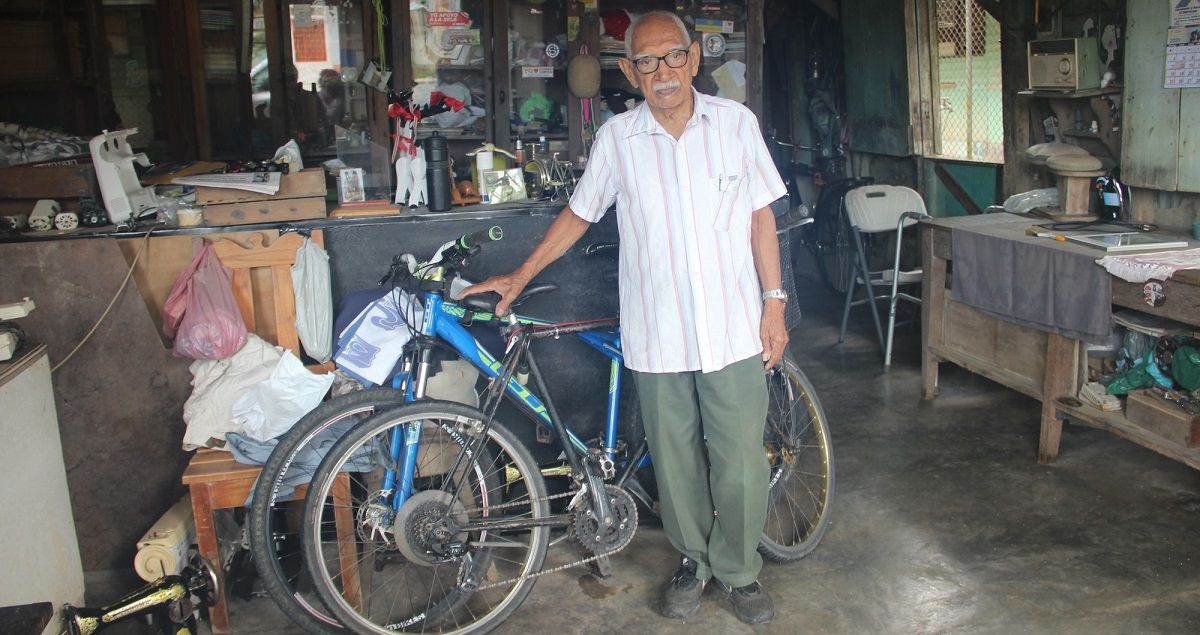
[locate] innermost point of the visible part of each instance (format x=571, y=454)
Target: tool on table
x=1189, y=404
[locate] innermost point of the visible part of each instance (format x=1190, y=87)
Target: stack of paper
x=260, y=182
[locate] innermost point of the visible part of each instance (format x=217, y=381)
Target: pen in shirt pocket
x=726, y=182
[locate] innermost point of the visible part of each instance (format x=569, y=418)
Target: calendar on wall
x=1183, y=45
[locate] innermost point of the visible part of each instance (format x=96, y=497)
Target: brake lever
x=391, y=271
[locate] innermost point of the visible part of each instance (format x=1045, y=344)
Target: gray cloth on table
x=1041, y=283
x=253, y=452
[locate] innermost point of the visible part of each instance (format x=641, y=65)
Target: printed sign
x=458, y=37
x=714, y=26
x=540, y=72
x=447, y=18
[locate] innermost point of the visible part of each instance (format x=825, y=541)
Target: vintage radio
x=1068, y=64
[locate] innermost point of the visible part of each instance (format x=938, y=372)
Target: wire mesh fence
x=970, y=111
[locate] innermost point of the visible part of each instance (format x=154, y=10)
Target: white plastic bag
x=314, y=302
x=1026, y=201
x=274, y=405
x=217, y=384
x=290, y=152
x=370, y=345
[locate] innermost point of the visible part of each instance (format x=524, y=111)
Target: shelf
x=1083, y=134
x=1060, y=94
x=1116, y=423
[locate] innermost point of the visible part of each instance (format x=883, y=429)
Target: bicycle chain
x=538, y=574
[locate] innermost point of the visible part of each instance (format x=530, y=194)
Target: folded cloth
x=254, y=452
x=1143, y=267
x=1044, y=284
x=369, y=347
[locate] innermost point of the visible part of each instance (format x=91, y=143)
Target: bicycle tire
x=277, y=571
x=801, y=483
x=503, y=472
x=835, y=255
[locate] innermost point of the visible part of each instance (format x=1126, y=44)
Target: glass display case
x=447, y=54
x=506, y=60
x=536, y=99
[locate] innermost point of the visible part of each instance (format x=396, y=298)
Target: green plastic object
x=1185, y=367
x=536, y=107
x=1132, y=379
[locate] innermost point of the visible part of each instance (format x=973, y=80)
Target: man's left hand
x=773, y=331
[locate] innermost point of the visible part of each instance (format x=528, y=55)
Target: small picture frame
x=351, y=187
x=375, y=78
x=503, y=186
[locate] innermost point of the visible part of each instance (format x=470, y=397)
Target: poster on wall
x=1183, y=45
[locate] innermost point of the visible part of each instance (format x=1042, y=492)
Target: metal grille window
x=970, y=122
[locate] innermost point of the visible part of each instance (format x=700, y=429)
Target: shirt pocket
x=732, y=189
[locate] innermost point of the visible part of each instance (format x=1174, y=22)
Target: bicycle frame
x=442, y=320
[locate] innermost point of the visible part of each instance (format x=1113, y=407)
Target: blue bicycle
x=451, y=514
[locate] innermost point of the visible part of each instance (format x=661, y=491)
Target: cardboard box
x=265, y=211
x=305, y=183
x=1150, y=412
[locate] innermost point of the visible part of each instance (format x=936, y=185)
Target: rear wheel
x=835, y=254
x=420, y=567
x=274, y=524
x=801, y=482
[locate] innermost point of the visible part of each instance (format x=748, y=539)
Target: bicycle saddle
x=486, y=302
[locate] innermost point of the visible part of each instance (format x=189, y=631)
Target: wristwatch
x=778, y=294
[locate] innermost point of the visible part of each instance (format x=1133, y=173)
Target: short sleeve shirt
x=689, y=291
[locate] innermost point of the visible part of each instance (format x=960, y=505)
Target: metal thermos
x=437, y=172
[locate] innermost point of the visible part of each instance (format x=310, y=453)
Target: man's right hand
x=509, y=286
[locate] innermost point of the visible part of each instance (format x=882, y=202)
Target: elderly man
x=702, y=308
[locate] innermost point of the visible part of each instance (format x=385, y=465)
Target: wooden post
x=1018, y=135
x=933, y=294
x=1060, y=381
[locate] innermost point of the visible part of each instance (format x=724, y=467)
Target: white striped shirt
x=690, y=294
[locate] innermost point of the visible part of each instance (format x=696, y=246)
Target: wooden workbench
x=1045, y=366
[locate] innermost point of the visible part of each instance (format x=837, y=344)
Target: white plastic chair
x=877, y=209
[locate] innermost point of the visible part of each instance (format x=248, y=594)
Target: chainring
x=592, y=533
x=427, y=522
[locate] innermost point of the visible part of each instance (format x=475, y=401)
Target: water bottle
x=437, y=172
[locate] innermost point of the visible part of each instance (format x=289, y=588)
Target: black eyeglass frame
x=687, y=51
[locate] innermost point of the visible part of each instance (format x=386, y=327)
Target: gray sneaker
x=681, y=597
x=751, y=603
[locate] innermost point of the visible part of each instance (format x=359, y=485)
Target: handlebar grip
x=467, y=241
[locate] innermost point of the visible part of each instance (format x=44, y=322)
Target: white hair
x=684, y=35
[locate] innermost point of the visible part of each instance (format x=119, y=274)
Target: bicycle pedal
x=601, y=568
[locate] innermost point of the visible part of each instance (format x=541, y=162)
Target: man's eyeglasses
x=649, y=63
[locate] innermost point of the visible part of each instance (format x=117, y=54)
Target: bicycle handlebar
x=493, y=233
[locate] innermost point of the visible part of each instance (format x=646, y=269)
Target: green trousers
x=705, y=432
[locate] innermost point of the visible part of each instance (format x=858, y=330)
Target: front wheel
x=796, y=441
x=274, y=531
x=418, y=566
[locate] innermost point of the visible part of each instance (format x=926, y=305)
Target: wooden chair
x=215, y=480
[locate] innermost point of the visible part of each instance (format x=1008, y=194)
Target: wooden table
x=1045, y=366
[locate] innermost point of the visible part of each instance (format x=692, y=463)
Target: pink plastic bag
x=176, y=302
x=201, y=312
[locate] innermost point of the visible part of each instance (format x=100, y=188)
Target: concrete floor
x=943, y=522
